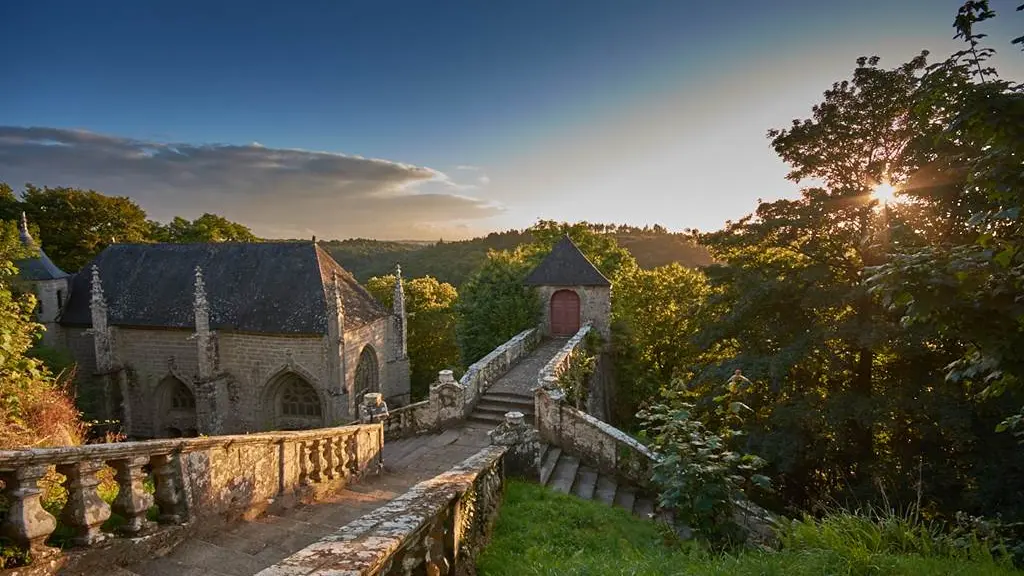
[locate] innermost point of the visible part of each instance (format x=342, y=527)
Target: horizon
x=403, y=122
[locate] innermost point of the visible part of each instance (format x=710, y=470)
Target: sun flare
x=884, y=193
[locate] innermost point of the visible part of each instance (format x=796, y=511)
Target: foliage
x=846, y=395
x=575, y=379
x=494, y=306
x=430, y=309
x=35, y=408
x=541, y=532
x=75, y=225
x=206, y=228
x=699, y=476
x=966, y=287
x=455, y=262
x=656, y=314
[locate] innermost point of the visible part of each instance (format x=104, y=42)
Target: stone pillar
x=336, y=361
x=447, y=399
x=100, y=331
x=373, y=409
x=204, y=338
x=168, y=493
x=27, y=523
x=401, y=346
x=211, y=404
x=522, y=460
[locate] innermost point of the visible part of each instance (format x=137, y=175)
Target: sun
x=884, y=193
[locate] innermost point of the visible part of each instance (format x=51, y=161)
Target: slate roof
x=40, y=267
x=268, y=287
x=566, y=266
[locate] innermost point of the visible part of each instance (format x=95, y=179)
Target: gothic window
x=367, y=374
x=60, y=299
x=182, y=398
x=175, y=408
x=297, y=398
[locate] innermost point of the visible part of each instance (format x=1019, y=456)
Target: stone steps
x=491, y=408
x=565, y=473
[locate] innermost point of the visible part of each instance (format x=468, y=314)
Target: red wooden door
x=565, y=313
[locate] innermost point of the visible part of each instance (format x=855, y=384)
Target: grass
x=540, y=532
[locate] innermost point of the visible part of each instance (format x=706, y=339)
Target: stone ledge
x=412, y=529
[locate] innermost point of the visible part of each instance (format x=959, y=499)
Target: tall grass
x=540, y=532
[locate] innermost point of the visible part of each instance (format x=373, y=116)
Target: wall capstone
x=522, y=459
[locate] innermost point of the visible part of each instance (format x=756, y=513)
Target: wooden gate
x=565, y=313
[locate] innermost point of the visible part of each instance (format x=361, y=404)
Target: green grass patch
x=541, y=532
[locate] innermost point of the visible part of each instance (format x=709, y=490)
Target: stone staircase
x=565, y=473
x=491, y=408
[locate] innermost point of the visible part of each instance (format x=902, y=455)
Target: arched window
x=292, y=403
x=176, y=408
x=367, y=374
x=298, y=399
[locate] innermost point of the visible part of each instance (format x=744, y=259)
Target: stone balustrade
x=561, y=424
x=437, y=527
x=219, y=477
x=451, y=401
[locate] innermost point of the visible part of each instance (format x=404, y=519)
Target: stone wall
x=581, y=434
x=247, y=365
x=438, y=527
x=409, y=420
x=201, y=483
x=595, y=306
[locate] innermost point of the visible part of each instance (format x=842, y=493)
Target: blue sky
x=480, y=115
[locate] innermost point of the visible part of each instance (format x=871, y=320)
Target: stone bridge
x=410, y=491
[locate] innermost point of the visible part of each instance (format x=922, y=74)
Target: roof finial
x=26, y=238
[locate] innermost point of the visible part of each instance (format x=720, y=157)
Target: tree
x=34, y=407
x=494, y=305
x=656, y=314
x=206, y=228
x=75, y=224
x=430, y=309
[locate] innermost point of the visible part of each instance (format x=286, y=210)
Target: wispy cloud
x=270, y=189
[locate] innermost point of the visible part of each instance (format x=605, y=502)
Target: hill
x=453, y=262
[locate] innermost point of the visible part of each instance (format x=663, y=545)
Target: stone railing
x=450, y=400
x=549, y=374
x=437, y=527
x=209, y=478
x=581, y=434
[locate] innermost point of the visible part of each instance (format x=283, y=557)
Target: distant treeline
x=453, y=262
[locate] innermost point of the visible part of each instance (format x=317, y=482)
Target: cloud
x=272, y=190
x=468, y=167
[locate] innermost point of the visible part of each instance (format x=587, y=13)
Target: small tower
x=48, y=282
x=573, y=291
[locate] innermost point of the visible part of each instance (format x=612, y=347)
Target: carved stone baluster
x=27, y=524
x=316, y=463
x=341, y=457
x=132, y=500
x=329, y=462
x=168, y=489
x=85, y=511
x=304, y=449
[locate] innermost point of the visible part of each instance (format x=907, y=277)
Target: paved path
x=522, y=378
x=248, y=547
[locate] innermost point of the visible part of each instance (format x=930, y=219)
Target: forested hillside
x=454, y=262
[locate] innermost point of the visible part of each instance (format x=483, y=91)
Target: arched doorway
x=293, y=403
x=565, y=313
x=367, y=374
x=177, y=407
